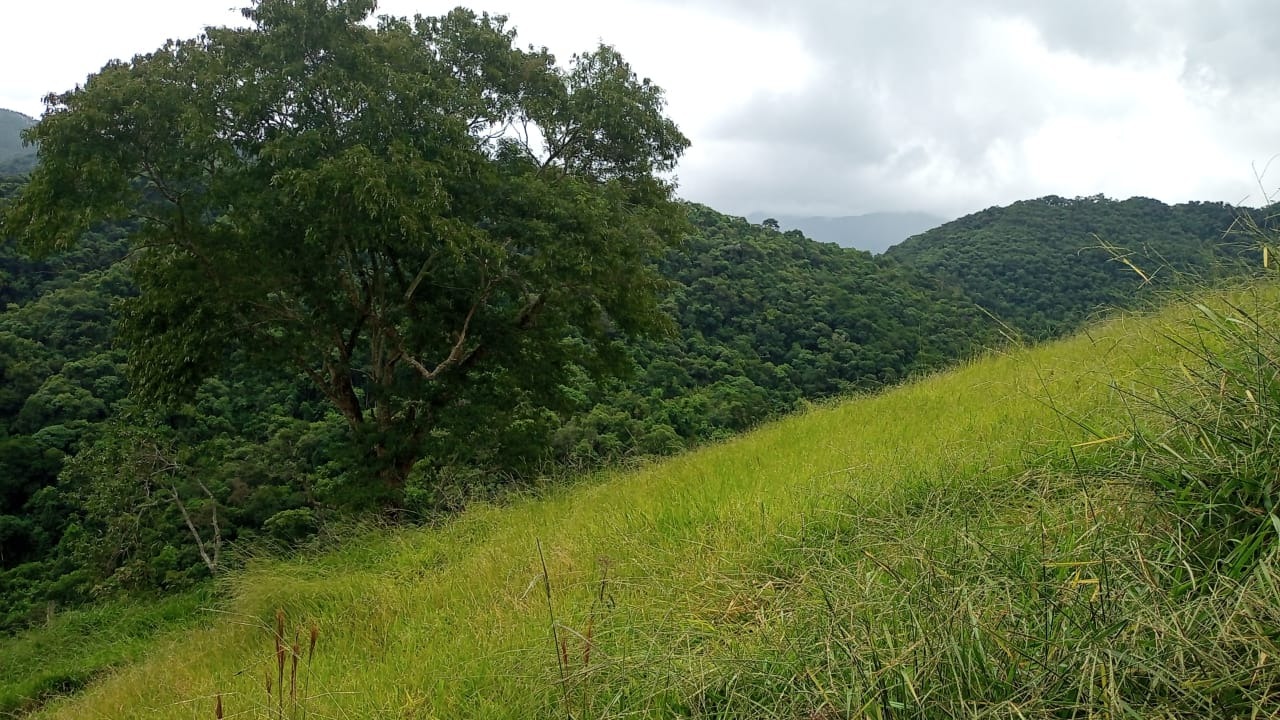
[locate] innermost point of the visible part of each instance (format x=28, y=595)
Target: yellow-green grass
x=731, y=581
x=72, y=648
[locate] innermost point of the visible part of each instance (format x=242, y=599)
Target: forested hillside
x=1042, y=266
x=938, y=550
x=97, y=492
x=14, y=156
x=767, y=319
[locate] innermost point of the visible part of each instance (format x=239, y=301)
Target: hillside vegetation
x=767, y=320
x=764, y=321
x=969, y=544
x=1043, y=266
x=338, y=357
x=14, y=156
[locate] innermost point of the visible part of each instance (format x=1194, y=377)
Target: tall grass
x=1209, y=441
x=1133, y=574
x=76, y=647
x=983, y=543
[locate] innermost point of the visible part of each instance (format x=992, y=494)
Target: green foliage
x=764, y=321
x=399, y=284
x=1208, y=444
x=1038, y=598
x=441, y=206
x=829, y=565
x=272, y=457
x=767, y=321
x=1044, y=266
x=75, y=518
x=71, y=649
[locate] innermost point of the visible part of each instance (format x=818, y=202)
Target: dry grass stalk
x=280, y=649
x=293, y=674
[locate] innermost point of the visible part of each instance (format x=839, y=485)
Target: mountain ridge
x=1043, y=265
x=14, y=156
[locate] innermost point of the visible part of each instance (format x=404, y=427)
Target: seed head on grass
x=280, y=649
x=293, y=672
x=313, y=634
x=279, y=637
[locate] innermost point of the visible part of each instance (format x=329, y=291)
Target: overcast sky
x=843, y=107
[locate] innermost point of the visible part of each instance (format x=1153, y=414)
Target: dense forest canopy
x=412, y=216
x=228, y=316
x=1042, y=266
x=768, y=320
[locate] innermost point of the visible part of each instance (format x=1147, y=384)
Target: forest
x=194, y=370
x=1044, y=277
x=358, y=366
x=98, y=489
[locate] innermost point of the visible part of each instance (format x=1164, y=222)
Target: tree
x=415, y=215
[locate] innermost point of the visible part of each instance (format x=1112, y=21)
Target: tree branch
x=455, y=353
x=164, y=465
x=210, y=563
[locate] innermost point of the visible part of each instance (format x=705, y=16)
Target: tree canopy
x=1043, y=266
x=391, y=210
x=96, y=494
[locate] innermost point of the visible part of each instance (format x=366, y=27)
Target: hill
x=770, y=319
x=1042, y=266
x=14, y=157
x=97, y=499
x=872, y=232
x=971, y=553
x=764, y=322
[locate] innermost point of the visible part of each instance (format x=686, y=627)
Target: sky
x=842, y=107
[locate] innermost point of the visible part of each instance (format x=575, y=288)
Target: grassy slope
x=74, y=647
x=732, y=576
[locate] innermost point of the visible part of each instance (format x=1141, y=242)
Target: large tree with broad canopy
x=423, y=218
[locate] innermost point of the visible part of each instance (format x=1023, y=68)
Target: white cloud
x=53, y=45
x=838, y=107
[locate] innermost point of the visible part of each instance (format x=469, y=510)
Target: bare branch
x=417, y=280
x=209, y=562
x=456, y=353
x=213, y=520
x=164, y=465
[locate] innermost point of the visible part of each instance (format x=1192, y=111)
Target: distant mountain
x=14, y=158
x=1044, y=266
x=873, y=232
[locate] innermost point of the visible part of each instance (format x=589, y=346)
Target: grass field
x=76, y=647
x=962, y=545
